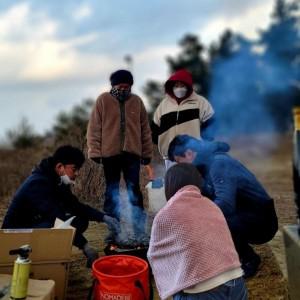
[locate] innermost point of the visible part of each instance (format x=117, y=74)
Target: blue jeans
x=234, y=289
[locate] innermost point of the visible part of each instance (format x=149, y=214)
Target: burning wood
x=121, y=249
x=138, y=250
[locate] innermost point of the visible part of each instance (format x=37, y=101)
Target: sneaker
x=250, y=266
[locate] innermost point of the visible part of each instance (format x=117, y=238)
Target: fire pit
x=131, y=235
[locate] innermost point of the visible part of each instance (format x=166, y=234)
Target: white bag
x=156, y=195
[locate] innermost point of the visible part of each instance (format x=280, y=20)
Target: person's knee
x=81, y=224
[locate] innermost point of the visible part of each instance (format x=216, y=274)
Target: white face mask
x=180, y=92
x=65, y=179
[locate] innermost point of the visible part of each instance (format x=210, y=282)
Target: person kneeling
x=191, y=252
x=46, y=195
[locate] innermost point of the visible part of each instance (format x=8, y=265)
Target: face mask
x=180, y=92
x=120, y=94
x=65, y=179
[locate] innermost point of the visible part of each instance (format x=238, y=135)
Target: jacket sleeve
x=208, y=129
x=147, y=146
x=205, y=110
x=155, y=125
x=84, y=210
x=94, y=141
x=225, y=186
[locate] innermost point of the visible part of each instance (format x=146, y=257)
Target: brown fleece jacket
x=104, y=134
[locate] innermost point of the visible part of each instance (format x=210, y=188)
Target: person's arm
x=224, y=183
x=155, y=126
x=94, y=131
x=147, y=146
x=80, y=209
x=91, y=214
x=208, y=129
x=207, y=120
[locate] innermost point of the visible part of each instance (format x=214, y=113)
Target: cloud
x=251, y=17
x=57, y=60
x=37, y=54
x=151, y=63
x=43, y=57
x=82, y=12
x=21, y=23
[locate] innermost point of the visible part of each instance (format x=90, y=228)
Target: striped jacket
x=171, y=119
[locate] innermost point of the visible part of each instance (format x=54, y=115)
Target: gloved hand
x=112, y=224
x=91, y=254
x=97, y=160
x=145, y=161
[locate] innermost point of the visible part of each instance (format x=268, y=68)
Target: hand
x=112, y=224
x=91, y=254
x=145, y=161
x=97, y=160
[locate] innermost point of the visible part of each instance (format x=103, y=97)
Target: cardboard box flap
x=47, y=244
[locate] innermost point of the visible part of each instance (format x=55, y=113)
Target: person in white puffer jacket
x=182, y=111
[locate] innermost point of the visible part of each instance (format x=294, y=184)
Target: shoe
x=251, y=265
x=91, y=254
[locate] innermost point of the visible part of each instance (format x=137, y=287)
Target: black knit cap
x=69, y=155
x=121, y=76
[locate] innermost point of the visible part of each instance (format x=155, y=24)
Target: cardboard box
x=37, y=289
x=51, y=253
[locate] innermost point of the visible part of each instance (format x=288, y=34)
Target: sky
x=54, y=54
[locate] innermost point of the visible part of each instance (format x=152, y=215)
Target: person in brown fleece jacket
x=119, y=136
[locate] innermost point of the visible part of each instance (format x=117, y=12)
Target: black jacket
x=42, y=198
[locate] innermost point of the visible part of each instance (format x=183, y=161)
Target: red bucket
x=121, y=277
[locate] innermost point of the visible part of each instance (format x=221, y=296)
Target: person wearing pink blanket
x=191, y=251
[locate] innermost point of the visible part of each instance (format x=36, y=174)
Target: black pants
x=129, y=165
x=252, y=228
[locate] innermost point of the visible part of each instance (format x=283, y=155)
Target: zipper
x=177, y=116
x=122, y=125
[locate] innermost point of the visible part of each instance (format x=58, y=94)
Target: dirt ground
x=269, y=157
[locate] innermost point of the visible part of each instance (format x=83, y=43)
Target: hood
x=46, y=168
x=183, y=76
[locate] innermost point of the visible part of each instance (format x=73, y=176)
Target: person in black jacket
x=46, y=195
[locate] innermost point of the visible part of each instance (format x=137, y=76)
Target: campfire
x=131, y=237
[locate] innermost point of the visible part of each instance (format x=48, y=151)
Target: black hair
x=180, y=175
x=68, y=154
x=180, y=144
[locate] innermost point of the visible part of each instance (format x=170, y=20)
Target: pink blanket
x=190, y=242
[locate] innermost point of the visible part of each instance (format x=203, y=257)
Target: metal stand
x=291, y=233
x=292, y=252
